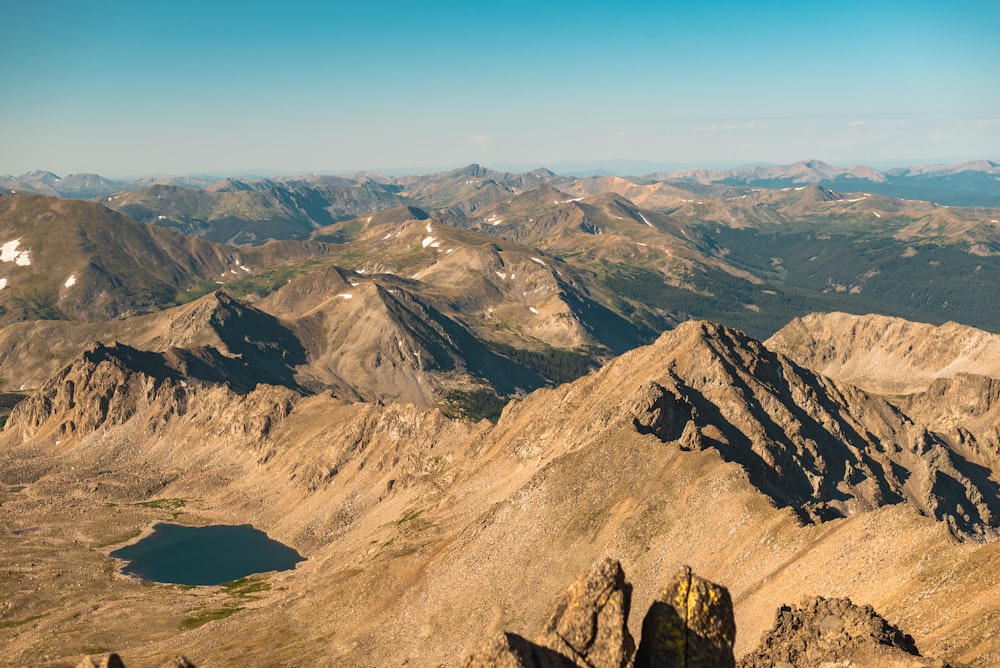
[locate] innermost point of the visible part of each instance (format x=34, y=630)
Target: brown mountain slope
x=73, y=259
x=887, y=355
x=426, y=533
x=388, y=344
x=500, y=290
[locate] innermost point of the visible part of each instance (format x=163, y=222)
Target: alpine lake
x=207, y=555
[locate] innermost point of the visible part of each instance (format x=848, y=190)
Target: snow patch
x=429, y=228
x=354, y=284
x=533, y=310
x=501, y=274
x=645, y=221
x=161, y=217
x=876, y=214
x=71, y=281
x=537, y=260
x=3, y=283
x=245, y=268
x=346, y=295
x=10, y=253
x=388, y=235
x=428, y=241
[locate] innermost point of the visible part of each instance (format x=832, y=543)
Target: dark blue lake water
x=205, y=555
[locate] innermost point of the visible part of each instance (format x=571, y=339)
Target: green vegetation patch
x=21, y=622
x=341, y=233
x=262, y=284
x=207, y=616
x=10, y=399
x=162, y=504
x=557, y=365
x=196, y=291
x=172, y=505
x=121, y=538
x=477, y=404
x=245, y=587
x=409, y=517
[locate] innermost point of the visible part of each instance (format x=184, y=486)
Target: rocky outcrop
x=886, y=355
x=588, y=628
x=108, y=661
x=691, y=625
x=822, y=631
x=590, y=621
x=965, y=409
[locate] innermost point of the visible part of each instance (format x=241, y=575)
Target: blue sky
x=134, y=88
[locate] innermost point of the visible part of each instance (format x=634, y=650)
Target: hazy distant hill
x=959, y=184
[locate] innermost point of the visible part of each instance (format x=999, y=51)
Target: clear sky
x=130, y=88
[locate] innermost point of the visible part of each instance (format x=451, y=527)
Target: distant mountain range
x=970, y=183
x=960, y=184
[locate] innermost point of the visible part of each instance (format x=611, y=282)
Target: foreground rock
x=590, y=622
x=690, y=624
x=822, y=631
x=588, y=628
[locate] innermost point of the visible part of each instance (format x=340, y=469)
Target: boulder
x=690, y=625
